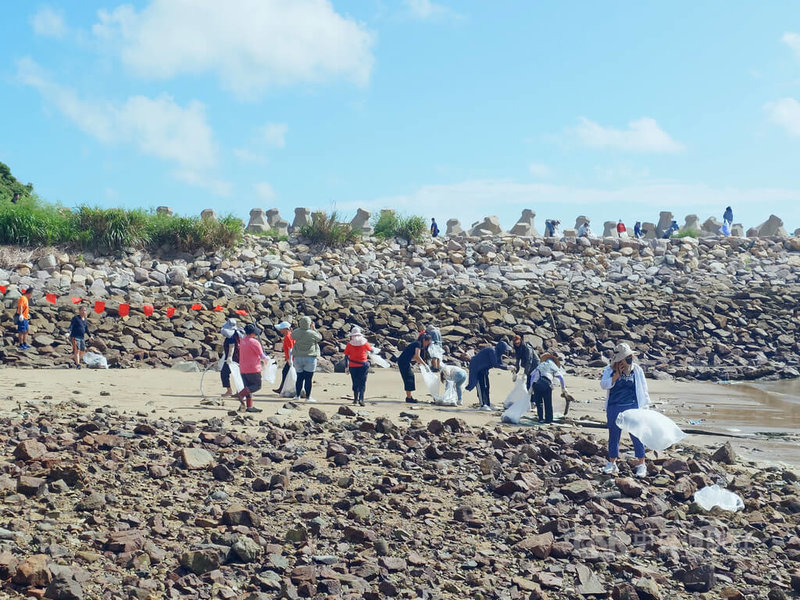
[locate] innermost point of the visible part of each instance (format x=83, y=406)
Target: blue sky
x=607, y=109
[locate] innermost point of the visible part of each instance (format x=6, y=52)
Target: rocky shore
x=709, y=308
x=99, y=504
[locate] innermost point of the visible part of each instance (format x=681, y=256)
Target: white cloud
x=48, y=22
x=203, y=180
x=251, y=45
x=642, y=135
x=793, y=41
x=264, y=191
x=246, y=155
x=275, y=134
x=425, y=9
x=540, y=170
x=786, y=113
x=158, y=127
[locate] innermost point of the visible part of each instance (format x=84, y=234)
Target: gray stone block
x=258, y=221
x=525, y=225
x=454, y=227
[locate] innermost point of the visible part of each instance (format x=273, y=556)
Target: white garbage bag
x=449, y=397
x=431, y=381
x=236, y=377
x=654, y=430
x=713, y=495
x=435, y=351
x=518, y=391
x=376, y=359
x=520, y=403
x=287, y=391
x=269, y=371
x=95, y=361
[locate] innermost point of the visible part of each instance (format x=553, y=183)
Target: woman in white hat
x=356, y=355
x=627, y=389
x=541, y=385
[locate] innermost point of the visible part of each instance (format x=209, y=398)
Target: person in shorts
x=23, y=317
x=78, y=330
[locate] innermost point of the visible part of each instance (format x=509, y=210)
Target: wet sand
x=763, y=420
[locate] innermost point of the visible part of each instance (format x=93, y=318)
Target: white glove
x=513, y=376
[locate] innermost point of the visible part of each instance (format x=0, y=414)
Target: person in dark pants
x=251, y=358
x=306, y=352
x=78, y=330
x=287, y=346
x=526, y=356
x=479, y=367
x=356, y=355
x=230, y=353
x=541, y=382
x=412, y=352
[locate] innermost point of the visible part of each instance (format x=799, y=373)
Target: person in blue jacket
x=479, y=366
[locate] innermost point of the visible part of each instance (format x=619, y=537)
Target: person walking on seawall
x=230, y=353
x=670, y=230
x=627, y=388
x=286, y=346
x=305, y=353
x=638, y=232
x=455, y=374
x=479, y=367
x=355, y=353
x=23, y=318
x=727, y=216
x=526, y=356
x=622, y=231
x=78, y=330
x=551, y=227
x=434, y=228
x=541, y=384
x=412, y=352
x=251, y=359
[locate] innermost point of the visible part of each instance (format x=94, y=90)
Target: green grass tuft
x=326, y=230
x=388, y=225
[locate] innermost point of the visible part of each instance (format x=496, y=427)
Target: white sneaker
x=296, y=399
x=611, y=468
x=310, y=399
x=486, y=408
x=641, y=471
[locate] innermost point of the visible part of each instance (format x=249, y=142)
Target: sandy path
x=166, y=392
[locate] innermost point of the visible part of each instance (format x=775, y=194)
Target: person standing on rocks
x=434, y=228
x=479, y=367
x=541, y=384
x=638, y=232
x=727, y=216
x=412, y=352
x=287, y=347
x=251, y=359
x=23, y=318
x=551, y=227
x=627, y=388
x=355, y=353
x=455, y=374
x=306, y=352
x=526, y=356
x=622, y=231
x=78, y=330
x=585, y=230
x=670, y=230
x=230, y=353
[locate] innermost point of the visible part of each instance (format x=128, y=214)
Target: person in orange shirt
x=356, y=354
x=24, y=318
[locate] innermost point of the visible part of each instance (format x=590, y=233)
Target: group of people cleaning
x=622, y=379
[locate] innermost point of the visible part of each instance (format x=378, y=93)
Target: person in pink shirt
x=251, y=357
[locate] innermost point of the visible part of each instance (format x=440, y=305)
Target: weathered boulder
x=490, y=226
x=610, y=229
x=454, y=227
x=360, y=222
x=302, y=217
x=769, y=228
x=276, y=223
x=525, y=225
x=208, y=214
x=665, y=219
x=258, y=221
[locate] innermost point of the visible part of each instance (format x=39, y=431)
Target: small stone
x=317, y=415
x=196, y=458
x=239, y=515
x=725, y=454
x=246, y=549
x=629, y=487
x=33, y=572
x=647, y=589
x=222, y=473
x=29, y=450
x=699, y=579
x=200, y=561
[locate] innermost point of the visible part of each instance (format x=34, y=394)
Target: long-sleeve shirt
x=548, y=370
x=250, y=355
x=288, y=344
x=78, y=328
x=642, y=396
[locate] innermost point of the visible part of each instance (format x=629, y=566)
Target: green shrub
x=30, y=223
x=188, y=234
x=110, y=229
x=328, y=231
x=388, y=225
x=272, y=234
x=688, y=233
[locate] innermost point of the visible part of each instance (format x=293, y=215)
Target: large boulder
x=489, y=226
x=209, y=214
x=258, y=221
x=610, y=229
x=649, y=230
x=580, y=221
x=454, y=227
x=276, y=223
x=360, y=222
x=692, y=223
x=524, y=226
x=302, y=217
x=710, y=227
x=665, y=219
x=769, y=228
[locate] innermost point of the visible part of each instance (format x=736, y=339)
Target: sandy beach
x=761, y=426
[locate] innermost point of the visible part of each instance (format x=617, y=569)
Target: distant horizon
x=431, y=107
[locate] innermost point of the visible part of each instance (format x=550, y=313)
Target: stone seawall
x=713, y=308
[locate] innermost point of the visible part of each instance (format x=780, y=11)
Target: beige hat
x=621, y=352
